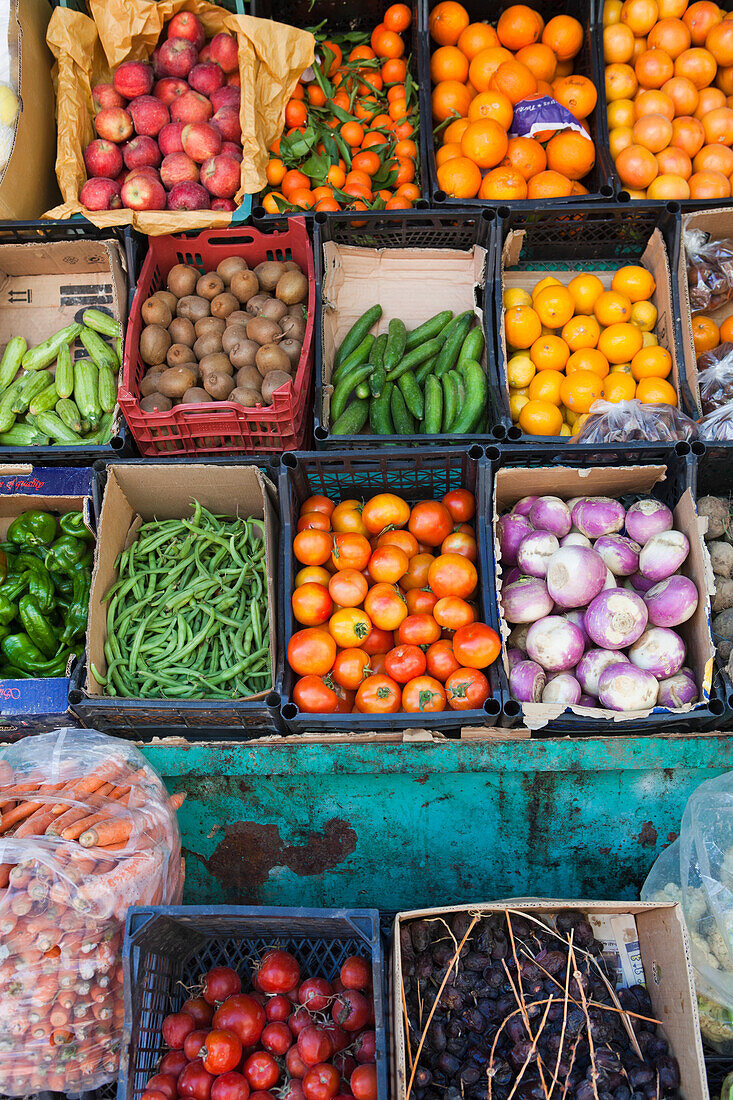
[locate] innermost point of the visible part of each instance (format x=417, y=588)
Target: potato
x=156, y=402
x=209, y=285
x=246, y=396
x=718, y=516
x=193, y=307
x=723, y=598
x=208, y=344
x=175, y=381
x=155, y=312
x=154, y=343
x=723, y=631
x=272, y=381
x=223, y=304
x=721, y=556
x=229, y=267
x=182, y=280
x=218, y=384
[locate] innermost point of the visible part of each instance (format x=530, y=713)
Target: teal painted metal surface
x=404, y=825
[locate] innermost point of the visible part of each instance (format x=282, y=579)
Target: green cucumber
x=64, y=372
x=412, y=394
x=44, y=400
x=10, y=364
x=428, y=330
x=450, y=401
x=23, y=435
x=106, y=389
x=396, y=340
x=86, y=388
x=68, y=412
x=356, y=334
x=42, y=355
x=7, y=414
x=32, y=385
x=353, y=419
x=477, y=391
x=433, y=405
x=377, y=379
x=460, y=395
x=50, y=424
x=345, y=388
x=101, y=322
x=99, y=352
x=380, y=417
x=414, y=359
x=103, y=434
x=424, y=370
x=472, y=346
x=377, y=356
x=457, y=332
x=359, y=355
x=362, y=390
x=401, y=416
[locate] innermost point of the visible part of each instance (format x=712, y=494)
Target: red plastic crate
x=222, y=426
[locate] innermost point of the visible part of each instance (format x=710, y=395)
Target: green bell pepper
x=75, y=619
x=33, y=528
x=73, y=524
x=40, y=583
x=65, y=553
x=14, y=585
x=37, y=626
x=20, y=652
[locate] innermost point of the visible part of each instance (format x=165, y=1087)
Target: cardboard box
x=665, y=955
x=35, y=706
x=510, y=485
x=654, y=258
x=137, y=493
x=28, y=184
x=412, y=284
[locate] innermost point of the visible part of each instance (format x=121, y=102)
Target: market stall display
x=87, y=830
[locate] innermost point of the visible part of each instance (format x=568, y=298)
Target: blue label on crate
x=532, y=116
x=54, y=481
x=31, y=706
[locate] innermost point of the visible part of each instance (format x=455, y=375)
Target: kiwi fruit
x=156, y=402
x=195, y=396
x=208, y=344
x=294, y=327
x=292, y=266
x=182, y=280
x=193, y=307
x=233, y=336
x=229, y=267
x=269, y=272
x=262, y=331
x=149, y=383
x=243, y=355
x=217, y=363
x=168, y=299
x=156, y=312
x=246, y=396
x=209, y=285
x=292, y=288
x=154, y=343
x=239, y=317
x=218, y=384
x=249, y=378
x=209, y=324
x=298, y=310
x=175, y=381
x=274, y=310
x=270, y=357
x=271, y=382
x=292, y=349
x=244, y=285
x=182, y=331
x=179, y=354
x=254, y=305
x=223, y=304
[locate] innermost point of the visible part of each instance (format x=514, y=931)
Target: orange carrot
x=5, y=869
x=80, y=789
x=6, y=772
x=36, y=824
x=25, y=809
x=113, y=830
x=176, y=800
x=78, y=813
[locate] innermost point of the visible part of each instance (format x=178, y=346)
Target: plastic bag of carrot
x=87, y=829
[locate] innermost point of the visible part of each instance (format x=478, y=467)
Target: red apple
x=225, y=97
x=232, y=149
x=221, y=176
x=233, y=80
x=104, y=95
x=143, y=193
x=187, y=25
x=133, y=78
x=155, y=62
x=224, y=51
x=102, y=158
x=113, y=124
x=144, y=170
x=100, y=194
x=188, y=196
x=176, y=57
x=223, y=204
x=201, y=141
x=178, y=168
x=226, y=120
x=141, y=151
x=206, y=78
x=169, y=88
x=169, y=138
x=148, y=114
x=205, y=54
x=191, y=107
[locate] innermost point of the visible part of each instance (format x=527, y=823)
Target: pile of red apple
x=168, y=133
x=289, y=1039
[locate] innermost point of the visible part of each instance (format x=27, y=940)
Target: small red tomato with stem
x=355, y=973
x=261, y=1070
x=223, y=1052
x=230, y=1086
x=293, y=1090
x=220, y=983
x=175, y=1061
x=278, y=1008
x=467, y=689
x=195, y=1081
x=476, y=645
x=339, y=1039
x=175, y=1028
x=242, y=1015
x=345, y=1064
x=364, y=1082
x=314, y=1045
x=278, y=972
x=315, y=993
x=403, y=663
x=200, y=1010
x=430, y=522
x=423, y=695
x=294, y=1064
x=165, y=1083
x=350, y=1010
x=365, y=1047
x=441, y=661
x=321, y=1082
x=277, y=1038
x=461, y=504
x=299, y=1020
x=194, y=1042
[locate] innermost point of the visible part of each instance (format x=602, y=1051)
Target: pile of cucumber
x=72, y=404
x=425, y=382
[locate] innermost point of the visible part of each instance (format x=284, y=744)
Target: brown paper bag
x=271, y=58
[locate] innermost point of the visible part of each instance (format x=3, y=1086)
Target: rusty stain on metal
x=648, y=835
x=213, y=832
x=671, y=837
x=250, y=849
x=604, y=851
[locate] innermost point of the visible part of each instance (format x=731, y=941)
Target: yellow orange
x=588, y=359
x=540, y=418
x=522, y=327
x=549, y=353
x=545, y=386
x=554, y=306
x=580, y=389
x=656, y=391
x=620, y=342
x=585, y=290
x=612, y=308
x=654, y=362
x=635, y=282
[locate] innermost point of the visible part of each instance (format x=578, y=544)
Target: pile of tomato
x=387, y=601
x=290, y=1038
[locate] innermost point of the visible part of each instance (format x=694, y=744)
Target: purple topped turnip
x=526, y=600
x=623, y=687
x=671, y=602
x=646, y=518
x=659, y=651
x=663, y=554
x=562, y=688
x=522, y=507
x=535, y=552
x=555, y=643
x=576, y=539
x=620, y=554
x=678, y=690
x=596, y=516
x=592, y=664
x=550, y=514
x=527, y=682
x=511, y=529
x=575, y=576
x=616, y=618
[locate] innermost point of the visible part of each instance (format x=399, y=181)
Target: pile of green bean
x=188, y=616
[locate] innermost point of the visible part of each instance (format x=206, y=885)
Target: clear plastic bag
x=87, y=829
x=715, y=377
x=709, y=270
x=697, y=871
x=629, y=421
x=717, y=426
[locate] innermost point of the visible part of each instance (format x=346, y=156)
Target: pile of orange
x=707, y=335
x=568, y=346
x=669, y=92
x=479, y=73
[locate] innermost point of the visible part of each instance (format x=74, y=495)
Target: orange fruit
x=618, y=44
x=683, y=93
x=718, y=126
x=493, y=105
x=653, y=68
x=549, y=185
x=388, y=44
x=485, y=143
x=654, y=132
x=618, y=387
x=670, y=35
x=450, y=97
x=698, y=65
x=540, y=418
x=394, y=70
x=726, y=329
x=460, y=178
x=636, y=166
x=707, y=100
x=656, y=391
x=484, y=64
x=564, y=35
x=640, y=15
x=545, y=386
x=549, y=353
x=653, y=101
x=540, y=60
x=588, y=359
x=397, y=17
x=526, y=156
x=709, y=184
x=620, y=342
x=571, y=153
x=619, y=139
x=522, y=326
x=448, y=63
x=620, y=113
x=634, y=282
x=580, y=389
x=447, y=152
x=620, y=82
x=651, y=362
x=700, y=18
x=577, y=94
x=519, y=26
x=275, y=171
x=676, y=162
x=688, y=135
x=514, y=80
x=454, y=131
x=581, y=332
x=719, y=42
x=612, y=307
x=447, y=21
x=477, y=37
x=585, y=290
x=554, y=306
x=503, y=184
x=668, y=186
x=705, y=333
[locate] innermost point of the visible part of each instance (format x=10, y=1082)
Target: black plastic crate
x=414, y=476
x=104, y=1092
x=168, y=947
x=717, y=1068
x=598, y=180
x=450, y=229
x=577, y=238
x=197, y=720
x=681, y=474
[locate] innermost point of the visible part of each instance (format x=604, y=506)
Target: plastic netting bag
x=630, y=421
x=697, y=871
x=715, y=377
x=717, y=426
x=709, y=270
x=87, y=829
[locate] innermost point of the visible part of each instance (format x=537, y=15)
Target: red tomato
x=403, y=663
x=312, y=604
x=355, y=973
x=384, y=510
x=364, y=1083
x=377, y=664
x=365, y=1047
x=279, y=972
x=277, y=1038
x=467, y=689
x=195, y=1081
x=220, y=983
x=452, y=575
x=175, y=1061
x=315, y=573
x=419, y=630
x=314, y=521
x=403, y=539
x=385, y=606
x=417, y=571
x=348, y=587
x=476, y=646
x=350, y=1010
x=314, y=1045
x=165, y=1083
x=378, y=695
x=430, y=522
x=147, y=1094
x=420, y=601
x=199, y=1009
x=315, y=993
x=339, y=1039
x=350, y=551
x=299, y=1020
x=424, y=694
x=193, y=1044
x=461, y=504
x=441, y=661
x=313, y=696
x=230, y=1086
x=313, y=547
x=345, y=1064
x=317, y=504
x=458, y=543
x=311, y=651
x=451, y=612
x=349, y=627
x=293, y=1090
x=223, y=1052
x=242, y=1015
x=261, y=1070
x=321, y=1082
x=175, y=1028
x=350, y=667
x=294, y=1064
x=346, y=516
x=388, y=563
x=378, y=641
x=278, y=1008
